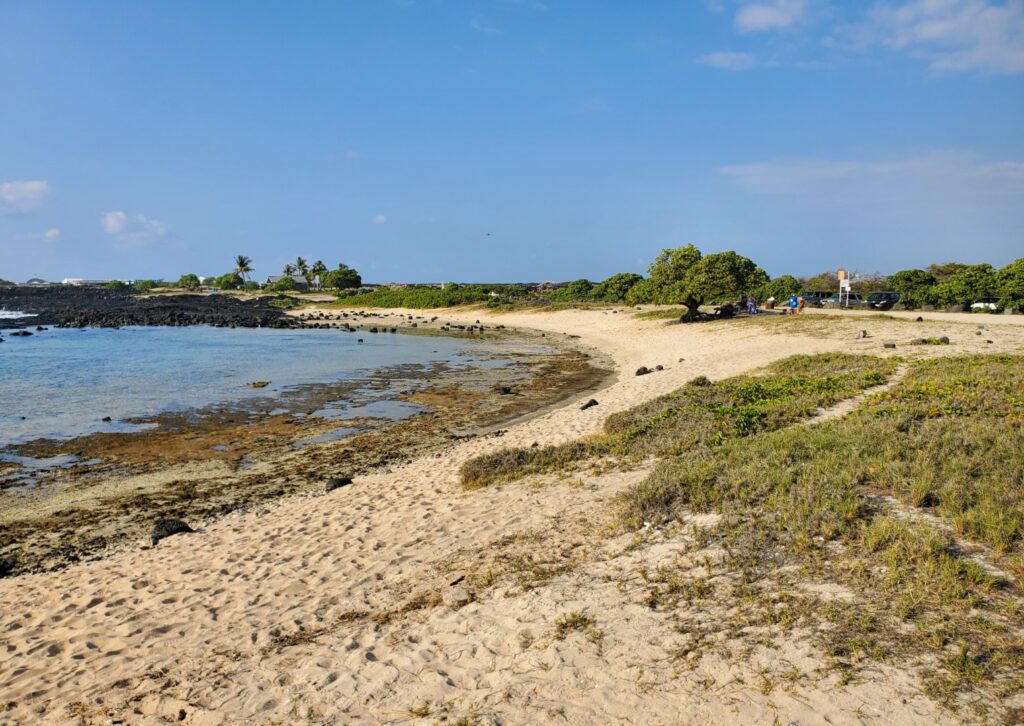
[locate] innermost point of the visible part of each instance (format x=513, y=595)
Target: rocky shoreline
x=82, y=307
x=200, y=465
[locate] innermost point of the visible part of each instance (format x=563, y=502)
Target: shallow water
x=62, y=382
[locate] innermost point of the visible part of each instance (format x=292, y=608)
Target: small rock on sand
x=166, y=527
x=457, y=597
x=337, y=483
x=589, y=404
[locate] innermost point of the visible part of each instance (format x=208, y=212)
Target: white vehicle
x=990, y=304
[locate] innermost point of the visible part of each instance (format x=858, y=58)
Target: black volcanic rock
x=81, y=307
x=164, y=528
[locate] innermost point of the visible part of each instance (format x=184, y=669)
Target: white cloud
x=378, y=219
x=19, y=197
x=481, y=27
x=775, y=15
x=729, y=61
x=50, y=235
x=131, y=230
x=937, y=177
x=951, y=35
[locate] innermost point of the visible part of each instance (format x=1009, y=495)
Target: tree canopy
x=684, y=275
x=343, y=278
x=189, y=281
x=615, y=288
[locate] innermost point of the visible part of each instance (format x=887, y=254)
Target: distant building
x=79, y=282
x=301, y=283
x=36, y=281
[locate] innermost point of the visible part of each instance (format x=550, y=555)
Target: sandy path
x=325, y=607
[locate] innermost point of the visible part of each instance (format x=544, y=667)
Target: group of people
x=794, y=306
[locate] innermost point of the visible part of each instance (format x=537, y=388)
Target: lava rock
x=505, y=391
x=166, y=527
x=589, y=404
x=888, y=345
x=659, y=367
x=106, y=419
x=643, y=371
x=337, y=483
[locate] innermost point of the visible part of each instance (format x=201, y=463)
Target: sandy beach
x=403, y=598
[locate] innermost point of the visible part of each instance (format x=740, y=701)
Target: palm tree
x=243, y=266
x=288, y=270
x=317, y=270
x=302, y=266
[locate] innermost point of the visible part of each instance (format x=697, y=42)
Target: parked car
x=815, y=297
x=883, y=300
x=986, y=304
x=853, y=300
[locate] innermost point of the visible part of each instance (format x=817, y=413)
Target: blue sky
x=503, y=140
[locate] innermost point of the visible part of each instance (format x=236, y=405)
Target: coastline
x=201, y=464
x=341, y=606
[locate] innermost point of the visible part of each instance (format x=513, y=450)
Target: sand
x=341, y=608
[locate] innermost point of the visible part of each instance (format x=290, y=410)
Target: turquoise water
x=61, y=383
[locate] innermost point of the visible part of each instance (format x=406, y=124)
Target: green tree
x=916, y=287
x=229, y=281
x=189, y=281
x=289, y=270
x=719, y=276
x=243, y=266
x=1010, y=285
x=343, y=278
x=643, y=293
x=684, y=275
x=616, y=287
x=577, y=290
x=302, y=266
x=946, y=270
x=966, y=285
x=669, y=269
x=282, y=284
x=780, y=288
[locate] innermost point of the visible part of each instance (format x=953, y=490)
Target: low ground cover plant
x=698, y=415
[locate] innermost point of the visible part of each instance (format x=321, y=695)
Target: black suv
x=883, y=300
x=815, y=298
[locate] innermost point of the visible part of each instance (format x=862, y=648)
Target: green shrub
x=228, y=281
x=343, y=278
x=188, y=281
x=701, y=414
x=282, y=284
x=616, y=288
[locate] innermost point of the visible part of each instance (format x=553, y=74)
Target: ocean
x=62, y=383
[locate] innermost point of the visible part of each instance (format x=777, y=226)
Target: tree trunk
x=692, y=310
